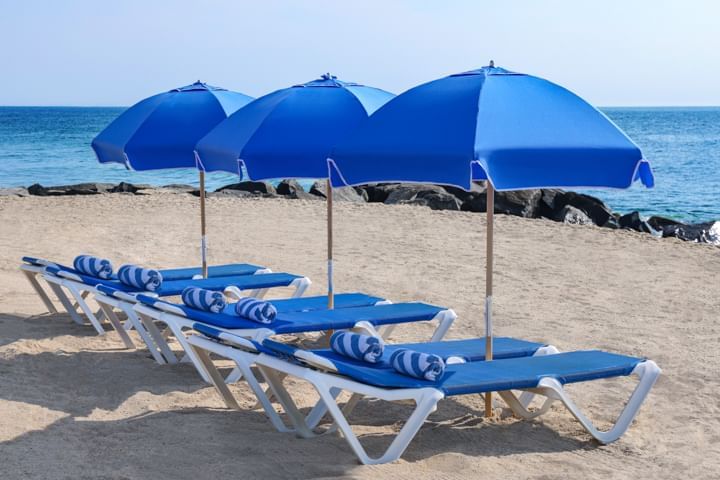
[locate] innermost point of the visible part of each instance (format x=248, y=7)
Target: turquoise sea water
x=51, y=146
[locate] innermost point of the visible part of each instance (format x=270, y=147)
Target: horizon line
x=128, y=106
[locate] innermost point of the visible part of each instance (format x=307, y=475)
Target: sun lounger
x=331, y=373
x=295, y=316
x=80, y=285
x=244, y=353
x=34, y=269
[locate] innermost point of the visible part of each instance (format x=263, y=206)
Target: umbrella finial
x=492, y=64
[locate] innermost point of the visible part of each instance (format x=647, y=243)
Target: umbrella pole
x=331, y=289
x=489, y=287
x=203, y=240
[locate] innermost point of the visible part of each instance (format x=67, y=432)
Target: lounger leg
x=155, y=340
x=80, y=298
x=280, y=393
x=65, y=301
x=527, y=397
x=444, y=324
x=425, y=405
x=32, y=278
x=117, y=325
x=647, y=372
x=209, y=369
x=189, y=352
x=301, y=284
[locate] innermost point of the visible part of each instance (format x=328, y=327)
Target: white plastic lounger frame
x=79, y=292
x=124, y=302
x=244, y=356
x=329, y=384
x=178, y=325
x=146, y=318
x=32, y=272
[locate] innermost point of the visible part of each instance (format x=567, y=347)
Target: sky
x=612, y=53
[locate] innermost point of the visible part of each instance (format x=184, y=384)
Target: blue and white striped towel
x=417, y=364
x=202, y=299
x=357, y=346
x=256, y=310
x=93, y=266
x=142, y=278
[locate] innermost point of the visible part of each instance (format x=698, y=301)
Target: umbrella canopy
x=289, y=133
x=517, y=130
x=161, y=131
x=514, y=130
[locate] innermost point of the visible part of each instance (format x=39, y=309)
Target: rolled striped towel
x=417, y=364
x=202, y=299
x=360, y=347
x=93, y=266
x=138, y=277
x=256, y=310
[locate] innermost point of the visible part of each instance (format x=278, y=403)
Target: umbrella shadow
x=14, y=327
x=78, y=383
x=208, y=443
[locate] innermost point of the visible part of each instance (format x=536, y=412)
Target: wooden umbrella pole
x=203, y=239
x=331, y=289
x=489, y=288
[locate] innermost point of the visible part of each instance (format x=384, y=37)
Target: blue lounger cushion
x=171, y=274
x=318, y=320
x=229, y=270
x=480, y=377
x=175, y=287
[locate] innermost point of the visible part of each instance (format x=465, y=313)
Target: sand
x=77, y=405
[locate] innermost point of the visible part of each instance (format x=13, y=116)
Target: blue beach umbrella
x=161, y=131
x=514, y=130
x=289, y=133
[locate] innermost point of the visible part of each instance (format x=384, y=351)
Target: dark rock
x=124, y=187
x=632, y=221
x=439, y=201
x=180, y=188
x=292, y=189
x=522, y=203
x=252, y=187
x=573, y=216
x=464, y=195
x=659, y=223
x=342, y=194
x=14, y=192
x=410, y=192
x=378, y=193
x=76, y=189
x=707, y=232
x=228, y=193
x=475, y=202
x=613, y=222
x=552, y=201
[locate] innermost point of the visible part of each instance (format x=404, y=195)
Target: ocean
x=51, y=146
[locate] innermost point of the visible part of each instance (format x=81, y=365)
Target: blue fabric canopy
x=517, y=130
x=289, y=133
x=161, y=131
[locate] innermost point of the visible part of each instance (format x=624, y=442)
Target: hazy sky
x=74, y=52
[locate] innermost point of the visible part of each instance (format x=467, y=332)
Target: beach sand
x=77, y=405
